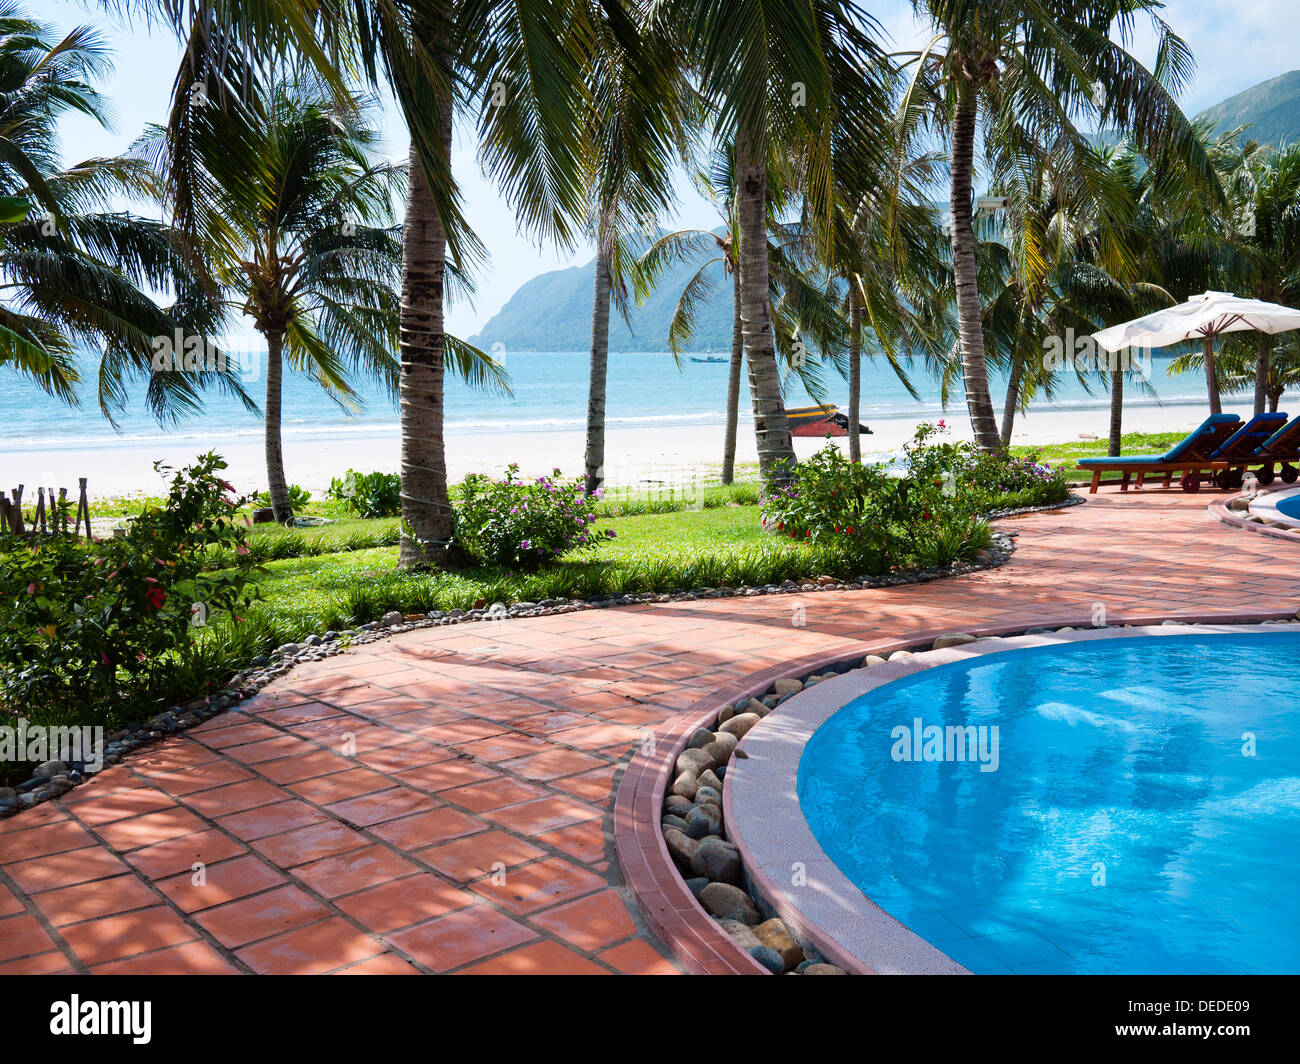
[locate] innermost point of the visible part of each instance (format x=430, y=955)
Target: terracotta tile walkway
x=443, y=801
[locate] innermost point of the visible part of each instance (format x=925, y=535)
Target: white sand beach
x=636, y=455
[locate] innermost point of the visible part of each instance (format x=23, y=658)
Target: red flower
x=156, y=596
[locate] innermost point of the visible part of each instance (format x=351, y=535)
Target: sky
x=1236, y=45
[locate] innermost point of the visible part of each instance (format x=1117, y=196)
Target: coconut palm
x=515, y=68
x=1264, y=193
x=1028, y=74
x=1240, y=371
x=635, y=127
x=715, y=253
x=770, y=71
x=299, y=236
x=74, y=274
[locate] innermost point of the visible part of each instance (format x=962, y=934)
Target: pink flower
x=31, y=589
x=241, y=549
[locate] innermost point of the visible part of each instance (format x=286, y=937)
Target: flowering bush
x=521, y=524
x=1004, y=482
x=916, y=514
x=93, y=628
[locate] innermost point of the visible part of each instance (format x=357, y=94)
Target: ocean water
x=549, y=393
x=1143, y=814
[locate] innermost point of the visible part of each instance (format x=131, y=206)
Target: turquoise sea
x=549, y=393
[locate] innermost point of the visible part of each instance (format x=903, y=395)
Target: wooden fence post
x=83, y=507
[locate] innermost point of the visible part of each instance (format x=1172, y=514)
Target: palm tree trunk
x=276, y=484
x=595, y=475
x=1013, y=399
x=1116, y=412
x=1263, y=352
x=776, y=458
x=733, y=383
x=427, y=518
x=1211, y=376
x=974, y=372
x=855, y=374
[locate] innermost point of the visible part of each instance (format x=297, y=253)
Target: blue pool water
x=1290, y=505
x=1124, y=829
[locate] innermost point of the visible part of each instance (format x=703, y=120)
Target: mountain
x=1272, y=108
x=552, y=312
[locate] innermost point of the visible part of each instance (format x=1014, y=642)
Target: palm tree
x=1240, y=371
x=769, y=70
x=74, y=274
x=1027, y=72
x=634, y=127
x=306, y=248
x=515, y=66
x=885, y=261
x=1264, y=193
x=799, y=310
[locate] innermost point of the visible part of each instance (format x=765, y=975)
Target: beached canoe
x=820, y=421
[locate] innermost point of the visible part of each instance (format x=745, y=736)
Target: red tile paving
x=457, y=794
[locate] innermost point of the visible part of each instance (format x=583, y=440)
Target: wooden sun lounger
x=1190, y=480
x=1191, y=457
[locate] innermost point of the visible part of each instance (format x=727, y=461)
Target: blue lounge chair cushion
x=1247, y=439
x=1288, y=434
x=1173, y=454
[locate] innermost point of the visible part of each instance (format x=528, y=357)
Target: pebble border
x=709, y=942
x=56, y=777
x=1230, y=513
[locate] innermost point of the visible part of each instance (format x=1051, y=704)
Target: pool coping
x=1219, y=509
x=764, y=819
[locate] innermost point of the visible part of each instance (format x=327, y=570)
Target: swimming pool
x=1136, y=810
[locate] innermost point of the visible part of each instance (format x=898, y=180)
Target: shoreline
x=637, y=457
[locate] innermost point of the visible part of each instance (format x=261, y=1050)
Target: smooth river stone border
x=764, y=819
x=1264, y=506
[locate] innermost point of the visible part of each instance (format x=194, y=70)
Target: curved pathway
x=444, y=801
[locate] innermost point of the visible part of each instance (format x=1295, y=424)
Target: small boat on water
x=709, y=359
x=820, y=421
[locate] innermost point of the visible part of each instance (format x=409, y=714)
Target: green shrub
x=369, y=494
x=916, y=515
x=298, y=498
x=515, y=523
x=96, y=628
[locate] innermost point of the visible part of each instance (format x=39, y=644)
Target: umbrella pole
x=1211, y=377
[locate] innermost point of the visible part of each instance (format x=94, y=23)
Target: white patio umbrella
x=1204, y=318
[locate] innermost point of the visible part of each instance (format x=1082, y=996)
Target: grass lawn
x=650, y=552
x=1067, y=454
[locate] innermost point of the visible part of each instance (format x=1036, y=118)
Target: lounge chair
x=1243, y=448
x=1190, y=457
